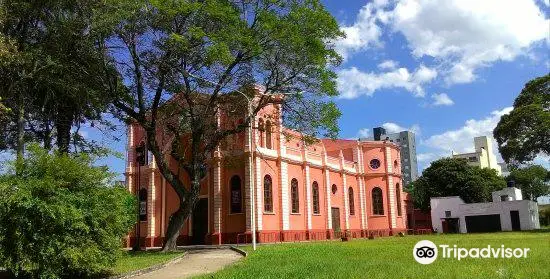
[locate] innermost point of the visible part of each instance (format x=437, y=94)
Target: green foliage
x=525, y=132
x=61, y=217
x=454, y=177
x=544, y=215
x=51, y=72
x=533, y=181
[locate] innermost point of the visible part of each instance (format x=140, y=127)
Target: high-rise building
x=406, y=141
x=483, y=155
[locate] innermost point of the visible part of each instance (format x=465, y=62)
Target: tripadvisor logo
x=426, y=252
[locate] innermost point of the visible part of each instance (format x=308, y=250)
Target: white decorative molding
x=259, y=195
x=151, y=203
x=284, y=195
x=218, y=198
x=346, y=201
x=328, y=187
x=267, y=152
x=249, y=188
x=308, y=197
x=391, y=188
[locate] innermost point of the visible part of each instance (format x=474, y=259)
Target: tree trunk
x=63, y=124
x=178, y=218
x=20, y=133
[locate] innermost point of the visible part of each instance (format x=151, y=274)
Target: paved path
x=196, y=262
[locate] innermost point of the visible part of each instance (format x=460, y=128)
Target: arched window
x=236, y=195
x=351, y=202
x=261, y=129
x=398, y=197
x=315, y=193
x=268, y=194
x=268, y=139
x=377, y=201
x=295, y=198
x=334, y=189
x=143, y=204
x=395, y=165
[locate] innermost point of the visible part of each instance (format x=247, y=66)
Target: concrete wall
x=528, y=213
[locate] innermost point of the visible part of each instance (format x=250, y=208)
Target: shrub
x=60, y=216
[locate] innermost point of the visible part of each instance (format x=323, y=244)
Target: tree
x=525, y=132
x=61, y=217
x=532, y=180
x=48, y=57
x=183, y=63
x=454, y=177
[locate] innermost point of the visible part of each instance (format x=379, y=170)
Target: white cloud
x=391, y=128
x=426, y=157
x=461, y=139
x=442, y=100
x=462, y=35
x=388, y=65
x=365, y=32
x=363, y=133
x=468, y=34
x=353, y=82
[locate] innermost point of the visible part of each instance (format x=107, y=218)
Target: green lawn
x=391, y=257
x=130, y=261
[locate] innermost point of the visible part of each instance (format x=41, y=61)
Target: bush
x=61, y=217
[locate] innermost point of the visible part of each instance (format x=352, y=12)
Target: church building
x=325, y=190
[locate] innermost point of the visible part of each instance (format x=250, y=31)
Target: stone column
x=308, y=187
x=344, y=191
x=217, y=196
x=328, y=193
x=390, y=188
x=151, y=201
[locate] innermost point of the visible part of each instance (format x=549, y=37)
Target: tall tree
x=48, y=57
x=182, y=63
x=454, y=177
x=525, y=132
x=533, y=180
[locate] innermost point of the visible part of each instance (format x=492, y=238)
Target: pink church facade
x=325, y=190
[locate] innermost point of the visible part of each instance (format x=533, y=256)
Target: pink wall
x=233, y=163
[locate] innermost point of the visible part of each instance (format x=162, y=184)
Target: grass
x=130, y=261
x=391, y=257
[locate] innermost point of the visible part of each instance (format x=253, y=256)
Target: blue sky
x=446, y=69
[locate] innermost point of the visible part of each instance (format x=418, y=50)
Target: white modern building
x=483, y=155
x=507, y=212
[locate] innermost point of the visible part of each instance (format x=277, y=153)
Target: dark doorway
x=335, y=219
x=514, y=216
x=451, y=225
x=200, y=222
x=483, y=223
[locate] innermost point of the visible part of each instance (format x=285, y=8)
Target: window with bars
x=377, y=201
x=315, y=193
x=236, y=195
x=398, y=197
x=261, y=129
x=295, y=197
x=268, y=194
x=268, y=137
x=351, y=201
